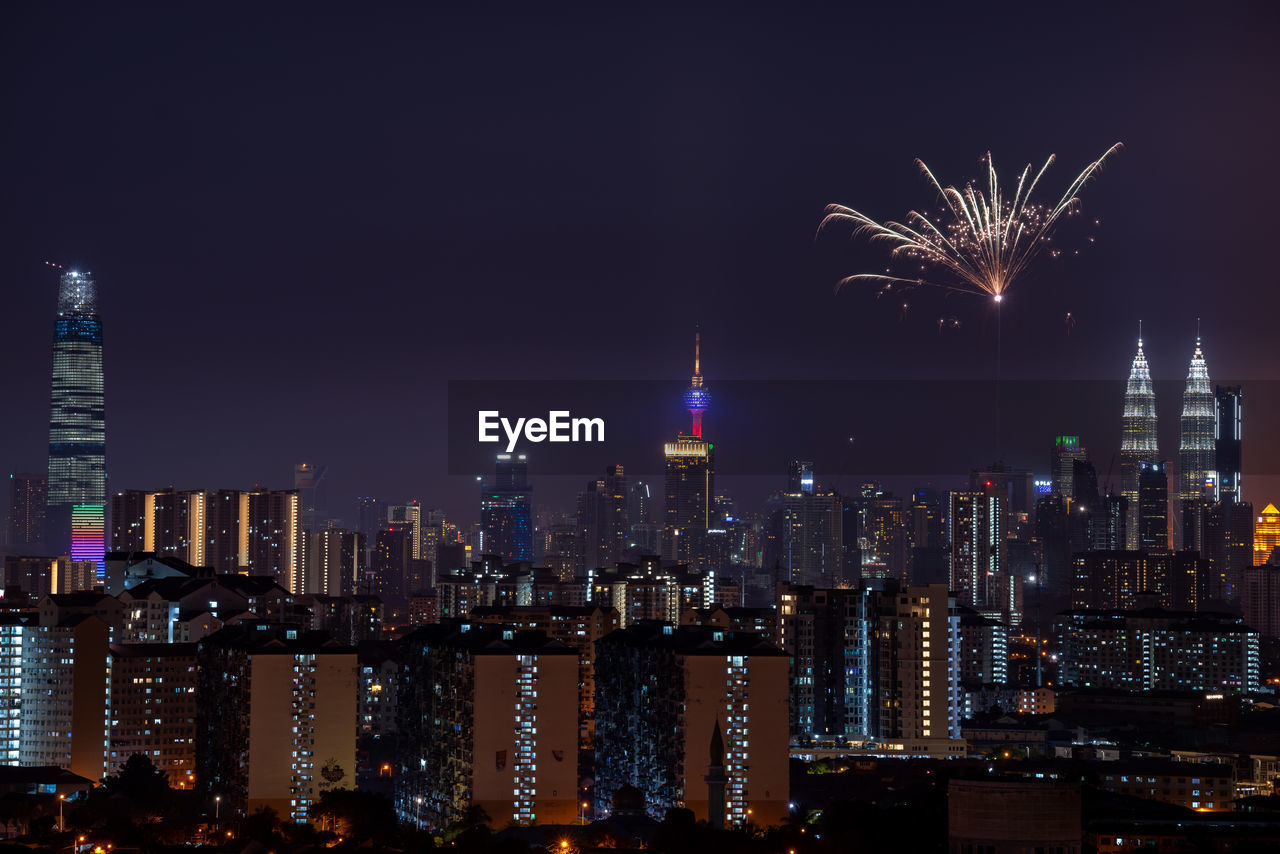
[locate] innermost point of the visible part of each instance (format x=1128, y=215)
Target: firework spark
x=981, y=242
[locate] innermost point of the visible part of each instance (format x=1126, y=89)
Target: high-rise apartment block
x=661, y=692
x=488, y=718
x=276, y=719
x=28, y=503
x=1157, y=650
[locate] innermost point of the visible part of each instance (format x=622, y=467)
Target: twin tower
x=1209, y=444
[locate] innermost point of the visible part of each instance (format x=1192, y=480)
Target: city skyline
x=294, y=298
x=571, y=428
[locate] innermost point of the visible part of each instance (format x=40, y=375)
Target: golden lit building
x=255, y=532
x=1266, y=534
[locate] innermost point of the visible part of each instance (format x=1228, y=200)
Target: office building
x=1153, y=506
x=805, y=541
x=1228, y=429
x=603, y=529
x=371, y=516
x=506, y=514
x=1066, y=451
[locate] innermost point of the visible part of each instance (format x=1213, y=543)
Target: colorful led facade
x=1137, y=436
x=77, y=435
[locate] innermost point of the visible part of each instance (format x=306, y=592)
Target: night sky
x=304, y=224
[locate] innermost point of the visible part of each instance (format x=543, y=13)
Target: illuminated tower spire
x=697, y=399
x=77, y=435
x=1196, y=449
x=1138, y=435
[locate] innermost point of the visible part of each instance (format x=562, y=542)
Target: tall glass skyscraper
x=77, y=496
x=506, y=514
x=1196, y=448
x=1138, y=437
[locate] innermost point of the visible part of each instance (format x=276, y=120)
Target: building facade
x=662, y=690
x=488, y=718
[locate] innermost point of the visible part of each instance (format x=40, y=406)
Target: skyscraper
x=77, y=497
x=1153, y=507
x=690, y=479
x=271, y=537
x=308, y=480
x=1196, y=448
x=506, y=515
x=1066, y=450
x=806, y=542
x=602, y=519
x=979, y=563
x=1138, y=435
x=1226, y=441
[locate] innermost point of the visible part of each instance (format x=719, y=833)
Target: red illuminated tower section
x=697, y=399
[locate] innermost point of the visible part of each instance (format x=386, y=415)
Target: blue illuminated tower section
x=77, y=496
x=697, y=399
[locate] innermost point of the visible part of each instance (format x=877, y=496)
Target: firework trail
x=983, y=240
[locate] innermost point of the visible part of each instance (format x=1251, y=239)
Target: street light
x=61, y=827
x=217, y=807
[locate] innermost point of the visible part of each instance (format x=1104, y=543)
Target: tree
x=138, y=780
x=356, y=814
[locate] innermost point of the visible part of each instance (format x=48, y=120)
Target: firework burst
x=981, y=241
